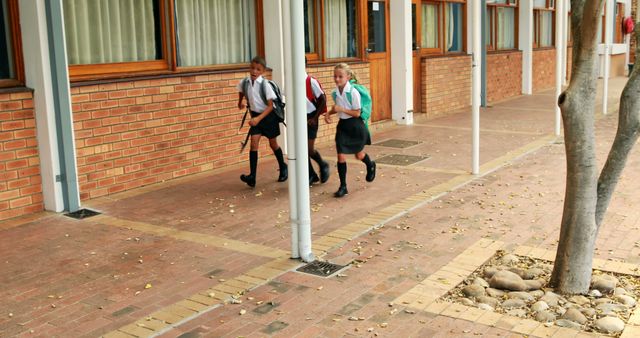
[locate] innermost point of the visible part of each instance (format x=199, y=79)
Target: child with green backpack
x=353, y=106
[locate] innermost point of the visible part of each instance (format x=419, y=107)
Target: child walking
x=351, y=133
x=316, y=106
x=262, y=122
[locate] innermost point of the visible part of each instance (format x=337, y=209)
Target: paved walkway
x=162, y=259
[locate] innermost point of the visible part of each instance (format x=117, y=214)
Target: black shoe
x=250, y=180
x=325, y=172
x=341, y=191
x=284, y=174
x=371, y=172
x=313, y=179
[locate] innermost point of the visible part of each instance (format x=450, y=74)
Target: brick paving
x=208, y=231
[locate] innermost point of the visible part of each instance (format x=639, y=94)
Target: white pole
x=291, y=144
x=476, y=86
x=559, y=47
x=299, y=105
x=608, y=40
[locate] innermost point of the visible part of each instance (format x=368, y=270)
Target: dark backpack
x=278, y=102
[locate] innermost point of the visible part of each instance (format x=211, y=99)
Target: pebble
x=486, y=307
x=481, y=282
x=574, y=315
x=602, y=301
x=521, y=295
x=517, y=313
x=609, y=324
x=507, y=280
x=610, y=308
x=626, y=300
x=539, y=306
x=495, y=292
x=537, y=293
x=589, y=312
x=550, y=298
x=533, y=284
x=488, y=300
x=619, y=291
x=545, y=317
x=467, y=302
x=509, y=259
x=568, y=324
x=595, y=293
x=473, y=290
x=489, y=272
x=513, y=303
x=517, y=271
x=604, y=283
x=580, y=300
x=532, y=273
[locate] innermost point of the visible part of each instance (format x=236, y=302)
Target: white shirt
x=315, y=89
x=253, y=96
x=342, y=101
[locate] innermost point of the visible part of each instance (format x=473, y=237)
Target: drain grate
x=319, y=268
x=395, y=143
x=399, y=159
x=82, y=214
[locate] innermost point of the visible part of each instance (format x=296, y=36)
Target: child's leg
x=342, y=173
x=313, y=176
x=284, y=173
x=371, y=165
x=250, y=179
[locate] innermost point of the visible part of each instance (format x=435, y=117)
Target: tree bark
x=626, y=136
x=574, y=258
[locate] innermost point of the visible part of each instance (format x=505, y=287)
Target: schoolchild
x=316, y=106
x=351, y=133
x=263, y=122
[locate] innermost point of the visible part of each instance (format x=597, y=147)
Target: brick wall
x=20, y=181
x=504, y=75
x=544, y=69
x=446, y=83
x=135, y=133
x=569, y=62
x=634, y=15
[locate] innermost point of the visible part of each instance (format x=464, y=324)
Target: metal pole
x=476, y=86
x=559, y=77
x=484, y=29
x=299, y=105
x=291, y=144
x=608, y=40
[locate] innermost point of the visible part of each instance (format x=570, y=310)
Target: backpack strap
x=310, y=95
x=245, y=88
x=263, y=91
x=350, y=96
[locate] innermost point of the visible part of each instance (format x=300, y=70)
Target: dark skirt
x=312, y=127
x=351, y=136
x=268, y=127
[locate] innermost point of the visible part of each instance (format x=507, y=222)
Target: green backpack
x=365, y=100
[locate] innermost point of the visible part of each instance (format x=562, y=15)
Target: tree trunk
x=574, y=258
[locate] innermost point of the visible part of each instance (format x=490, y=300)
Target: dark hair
x=259, y=60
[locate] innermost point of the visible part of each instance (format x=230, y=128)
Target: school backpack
x=278, y=102
x=365, y=100
x=312, y=98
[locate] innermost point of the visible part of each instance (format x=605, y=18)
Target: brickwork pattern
x=447, y=84
x=141, y=132
x=20, y=180
x=544, y=69
x=504, y=75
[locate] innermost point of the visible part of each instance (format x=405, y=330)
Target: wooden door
x=378, y=54
x=417, y=60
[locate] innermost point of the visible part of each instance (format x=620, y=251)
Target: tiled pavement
x=161, y=258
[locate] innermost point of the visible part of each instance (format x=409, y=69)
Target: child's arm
x=352, y=112
x=255, y=120
x=241, y=104
x=321, y=102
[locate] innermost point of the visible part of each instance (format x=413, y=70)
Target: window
x=340, y=28
x=10, y=57
x=502, y=18
x=310, y=24
x=617, y=22
x=543, y=23
x=213, y=32
x=442, y=26
x=131, y=36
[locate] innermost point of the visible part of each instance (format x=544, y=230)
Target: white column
x=559, y=47
x=476, y=86
x=37, y=65
x=526, y=45
x=401, y=62
x=290, y=117
x=298, y=95
x=608, y=40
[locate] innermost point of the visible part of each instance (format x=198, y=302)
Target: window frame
x=537, y=27
x=439, y=51
x=492, y=13
x=16, y=47
x=318, y=21
x=168, y=64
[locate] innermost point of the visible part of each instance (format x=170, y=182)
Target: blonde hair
x=345, y=67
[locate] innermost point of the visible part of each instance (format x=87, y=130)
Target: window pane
x=546, y=29
x=377, y=26
x=340, y=25
x=540, y=3
x=414, y=38
x=107, y=31
x=309, y=26
x=488, y=27
x=506, y=28
x=453, y=29
x=6, y=55
x=213, y=32
x=429, y=26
